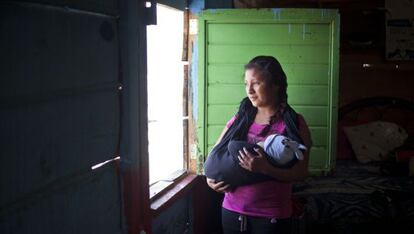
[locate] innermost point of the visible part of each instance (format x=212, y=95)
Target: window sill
x=159, y=187
x=171, y=192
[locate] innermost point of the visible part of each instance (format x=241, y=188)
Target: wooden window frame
x=165, y=192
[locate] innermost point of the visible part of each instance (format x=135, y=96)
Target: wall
x=195, y=211
x=60, y=115
x=177, y=218
x=380, y=79
x=362, y=41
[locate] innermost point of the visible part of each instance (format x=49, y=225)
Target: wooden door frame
x=134, y=119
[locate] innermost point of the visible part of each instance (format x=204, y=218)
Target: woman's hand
x=253, y=163
x=219, y=187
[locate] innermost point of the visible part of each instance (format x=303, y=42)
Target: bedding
x=356, y=195
x=372, y=197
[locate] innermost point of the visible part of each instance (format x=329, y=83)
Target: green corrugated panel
x=305, y=41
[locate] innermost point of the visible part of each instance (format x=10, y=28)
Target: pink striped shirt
x=270, y=199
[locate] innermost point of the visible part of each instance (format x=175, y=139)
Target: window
x=165, y=93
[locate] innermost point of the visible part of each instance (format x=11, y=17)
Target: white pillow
x=373, y=141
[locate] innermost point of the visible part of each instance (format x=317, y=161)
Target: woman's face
x=261, y=92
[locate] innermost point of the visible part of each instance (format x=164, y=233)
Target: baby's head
x=282, y=150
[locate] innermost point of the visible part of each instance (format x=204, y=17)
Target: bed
x=374, y=197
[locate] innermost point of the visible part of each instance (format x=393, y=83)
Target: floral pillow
x=374, y=141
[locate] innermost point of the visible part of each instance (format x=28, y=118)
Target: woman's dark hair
x=272, y=70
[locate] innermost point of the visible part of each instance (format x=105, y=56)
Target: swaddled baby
x=281, y=151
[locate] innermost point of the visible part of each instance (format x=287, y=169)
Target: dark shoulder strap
x=240, y=127
x=291, y=120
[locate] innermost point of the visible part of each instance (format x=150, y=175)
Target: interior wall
x=59, y=116
x=364, y=71
x=381, y=78
x=177, y=218
x=362, y=42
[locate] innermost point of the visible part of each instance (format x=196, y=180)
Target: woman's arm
x=259, y=163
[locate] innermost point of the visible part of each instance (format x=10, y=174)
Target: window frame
x=165, y=192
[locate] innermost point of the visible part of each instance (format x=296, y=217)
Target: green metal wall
x=305, y=41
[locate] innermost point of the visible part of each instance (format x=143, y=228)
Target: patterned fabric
x=356, y=194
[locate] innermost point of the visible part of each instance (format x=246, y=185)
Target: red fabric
x=404, y=155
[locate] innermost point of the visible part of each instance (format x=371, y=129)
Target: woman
x=263, y=207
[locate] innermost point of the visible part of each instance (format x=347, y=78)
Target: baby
x=282, y=151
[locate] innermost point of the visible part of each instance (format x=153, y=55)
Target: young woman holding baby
x=263, y=207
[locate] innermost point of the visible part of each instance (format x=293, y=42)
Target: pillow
x=344, y=149
x=373, y=141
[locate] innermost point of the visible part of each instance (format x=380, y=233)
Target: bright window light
x=165, y=93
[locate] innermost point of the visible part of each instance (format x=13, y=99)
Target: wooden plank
x=134, y=99
x=62, y=117
x=274, y=15
x=66, y=51
x=315, y=116
x=318, y=158
x=307, y=74
x=59, y=95
x=95, y=7
x=91, y=204
x=174, y=219
x=213, y=133
x=307, y=95
x=220, y=114
x=319, y=136
x=315, y=54
x=42, y=143
x=225, y=73
x=206, y=204
x=201, y=82
x=297, y=94
x=209, y=148
x=334, y=91
x=225, y=94
x=268, y=34
x=177, y=191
